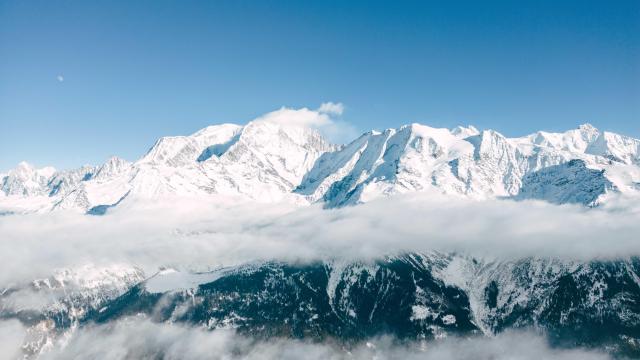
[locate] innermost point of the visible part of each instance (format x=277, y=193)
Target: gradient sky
x=83, y=80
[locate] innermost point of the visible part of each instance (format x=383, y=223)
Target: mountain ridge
x=271, y=161
x=412, y=296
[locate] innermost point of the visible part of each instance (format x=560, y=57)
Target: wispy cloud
x=326, y=119
x=296, y=117
x=331, y=108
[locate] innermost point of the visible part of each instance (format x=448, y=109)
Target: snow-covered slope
x=261, y=161
x=270, y=161
x=469, y=163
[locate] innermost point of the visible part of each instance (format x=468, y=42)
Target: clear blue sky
x=137, y=70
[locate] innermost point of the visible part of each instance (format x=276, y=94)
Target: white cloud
x=141, y=339
x=60, y=78
x=12, y=333
x=199, y=235
x=331, y=108
x=296, y=117
x=323, y=119
x=208, y=233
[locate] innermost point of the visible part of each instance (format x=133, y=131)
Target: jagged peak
x=115, y=160
x=589, y=132
x=26, y=169
x=112, y=166
x=490, y=134
x=465, y=131
x=587, y=127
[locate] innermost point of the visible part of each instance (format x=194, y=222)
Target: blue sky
x=133, y=71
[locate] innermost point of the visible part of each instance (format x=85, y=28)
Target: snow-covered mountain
x=412, y=296
x=471, y=163
x=270, y=161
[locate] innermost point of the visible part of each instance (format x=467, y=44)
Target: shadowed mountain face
x=568, y=183
x=411, y=297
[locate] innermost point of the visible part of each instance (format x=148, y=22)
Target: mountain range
x=269, y=161
x=412, y=296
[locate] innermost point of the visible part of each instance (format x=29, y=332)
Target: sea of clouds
x=198, y=235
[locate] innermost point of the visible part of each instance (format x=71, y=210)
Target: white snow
x=421, y=312
x=280, y=157
x=449, y=319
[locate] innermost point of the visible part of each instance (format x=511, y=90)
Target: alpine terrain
x=268, y=161
x=412, y=296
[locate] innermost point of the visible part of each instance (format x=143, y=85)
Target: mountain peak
x=26, y=180
x=115, y=160
x=465, y=131
x=587, y=127
x=26, y=169
x=23, y=165
x=589, y=132
x=113, y=166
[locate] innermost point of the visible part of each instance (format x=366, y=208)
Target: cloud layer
x=201, y=234
x=12, y=334
x=141, y=339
